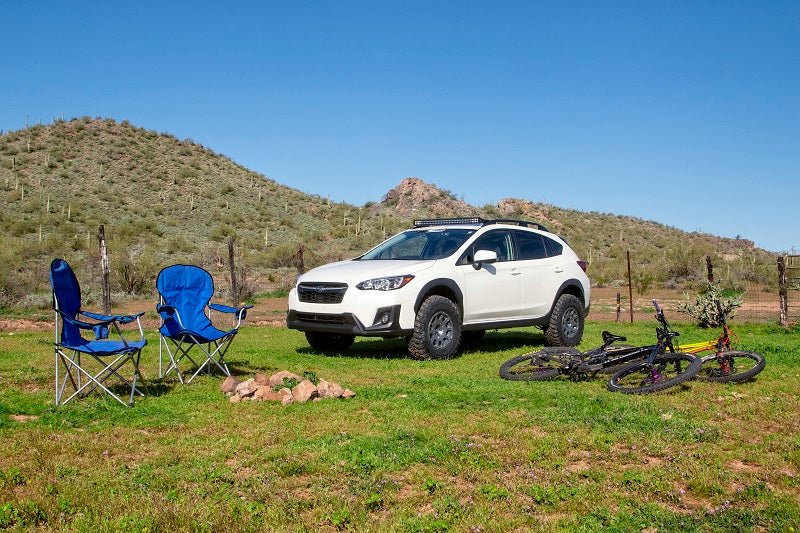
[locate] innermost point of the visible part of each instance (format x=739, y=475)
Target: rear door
x=541, y=272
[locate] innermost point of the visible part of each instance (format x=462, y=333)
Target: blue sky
x=687, y=113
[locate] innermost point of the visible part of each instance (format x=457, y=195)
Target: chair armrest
x=122, y=319
x=240, y=312
x=82, y=324
x=168, y=312
x=222, y=308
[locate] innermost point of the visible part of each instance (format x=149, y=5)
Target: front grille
x=321, y=319
x=321, y=293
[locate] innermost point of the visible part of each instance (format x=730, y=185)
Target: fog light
x=385, y=318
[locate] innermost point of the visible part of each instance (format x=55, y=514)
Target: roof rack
x=477, y=221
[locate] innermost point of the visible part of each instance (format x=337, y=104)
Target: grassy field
x=424, y=446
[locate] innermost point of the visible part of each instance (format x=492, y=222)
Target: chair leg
x=97, y=380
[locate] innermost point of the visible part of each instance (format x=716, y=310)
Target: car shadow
x=495, y=341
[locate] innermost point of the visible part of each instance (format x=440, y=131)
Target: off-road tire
x=329, y=342
x=566, y=322
x=688, y=366
x=437, y=329
x=547, y=363
x=711, y=371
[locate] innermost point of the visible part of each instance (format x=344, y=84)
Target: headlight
x=384, y=284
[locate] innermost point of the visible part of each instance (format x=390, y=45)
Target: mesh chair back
x=67, y=295
x=188, y=289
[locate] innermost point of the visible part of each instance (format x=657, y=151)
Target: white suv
x=443, y=282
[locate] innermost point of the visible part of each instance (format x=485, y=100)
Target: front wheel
x=667, y=370
x=731, y=366
x=545, y=364
x=437, y=329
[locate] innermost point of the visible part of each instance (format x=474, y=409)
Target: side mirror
x=483, y=256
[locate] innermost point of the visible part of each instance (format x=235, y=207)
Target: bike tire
x=637, y=378
x=541, y=365
x=750, y=365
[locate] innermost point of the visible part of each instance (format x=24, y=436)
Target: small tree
x=704, y=308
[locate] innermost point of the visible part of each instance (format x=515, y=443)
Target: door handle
x=558, y=270
x=516, y=273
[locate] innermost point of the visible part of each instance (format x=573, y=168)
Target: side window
x=530, y=245
x=553, y=248
x=498, y=242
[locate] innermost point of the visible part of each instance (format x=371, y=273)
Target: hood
x=353, y=272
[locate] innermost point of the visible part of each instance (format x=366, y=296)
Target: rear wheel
x=329, y=342
x=667, y=370
x=566, y=322
x=545, y=364
x=731, y=366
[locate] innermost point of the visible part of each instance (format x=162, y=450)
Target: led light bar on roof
x=447, y=221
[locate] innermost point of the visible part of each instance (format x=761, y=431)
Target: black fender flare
x=562, y=289
x=451, y=285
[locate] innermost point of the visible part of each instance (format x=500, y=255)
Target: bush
x=704, y=309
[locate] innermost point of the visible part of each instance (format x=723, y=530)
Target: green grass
x=424, y=446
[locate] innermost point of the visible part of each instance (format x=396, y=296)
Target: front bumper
x=385, y=324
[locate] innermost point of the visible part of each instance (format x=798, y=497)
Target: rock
x=277, y=378
x=261, y=379
x=286, y=396
x=329, y=389
x=235, y=399
x=229, y=385
x=245, y=388
x=304, y=391
x=348, y=393
x=266, y=394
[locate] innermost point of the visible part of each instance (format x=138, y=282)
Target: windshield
x=421, y=244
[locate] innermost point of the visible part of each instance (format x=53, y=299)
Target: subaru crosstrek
x=443, y=282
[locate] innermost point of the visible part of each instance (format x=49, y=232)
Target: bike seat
x=609, y=337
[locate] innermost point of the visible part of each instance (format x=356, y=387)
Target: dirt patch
x=23, y=418
x=739, y=466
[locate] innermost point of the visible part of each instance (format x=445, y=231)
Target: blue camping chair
x=185, y=295
x=107, y=355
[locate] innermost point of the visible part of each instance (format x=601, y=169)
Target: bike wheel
x=545, y=364
x=734, y=366
x=667, y=370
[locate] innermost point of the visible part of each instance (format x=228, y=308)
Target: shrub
x=704, y=309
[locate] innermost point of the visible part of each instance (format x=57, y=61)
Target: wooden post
x=301, y=261
x=619, y=306
x=232, y=265
x=630, y=285
x=783, y=296
x=101, y=238
x=710, y=269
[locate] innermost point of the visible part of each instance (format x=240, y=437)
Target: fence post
x=301, y=261
x=630, y=285
x=101, y=238
x=232, y=265
x=783, y=296
x=619, y=306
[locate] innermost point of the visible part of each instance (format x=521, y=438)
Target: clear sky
x=687, y=113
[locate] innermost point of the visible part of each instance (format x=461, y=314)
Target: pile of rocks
x=262, y=388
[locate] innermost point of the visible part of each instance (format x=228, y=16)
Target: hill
x=165, y=200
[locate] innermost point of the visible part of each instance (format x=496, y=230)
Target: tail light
x=583, y=264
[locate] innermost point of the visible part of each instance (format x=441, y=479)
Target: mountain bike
x=640, y=370
x=725, y=365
